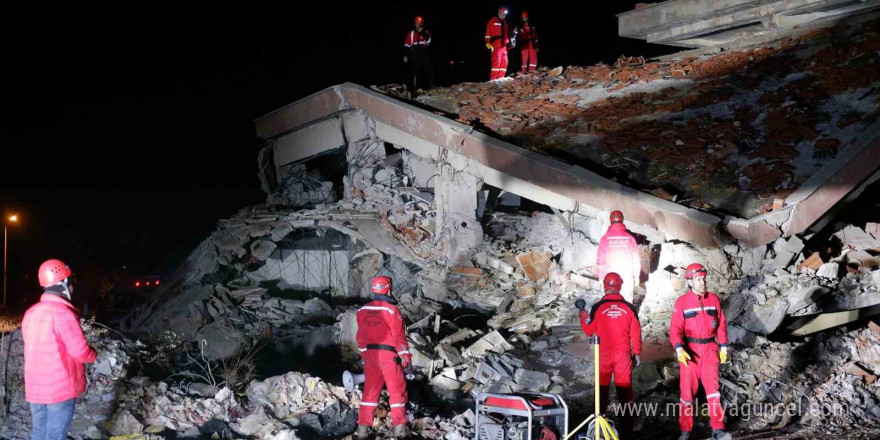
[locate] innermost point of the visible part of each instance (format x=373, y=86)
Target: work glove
x=682, y=355
x=580, y=304
x=638, y=360
x=405, y=59
x=723, y=355
x=406, y=360
x=490, y=47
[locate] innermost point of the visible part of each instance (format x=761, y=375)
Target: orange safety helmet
x=381, y=285
x=616, y=217
x=420, y=19
x=612, y=282
x=52, y=272
x=502, y=9
x=525, y=14
x=695, y=270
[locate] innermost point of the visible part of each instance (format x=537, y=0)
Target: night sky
x=127, y=132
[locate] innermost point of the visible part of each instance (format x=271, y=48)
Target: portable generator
x=521, y=416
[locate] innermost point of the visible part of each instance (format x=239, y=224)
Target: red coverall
x=381, y=339
x=498, y=34
x=527, y=38
x=618, y=252
x=698, y=325
x=620, y=337
x=416, y=50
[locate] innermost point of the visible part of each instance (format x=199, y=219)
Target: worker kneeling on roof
x=697, y=330
x=381, y=339
x=615, y=322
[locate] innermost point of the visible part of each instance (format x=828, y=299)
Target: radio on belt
x=521, y=416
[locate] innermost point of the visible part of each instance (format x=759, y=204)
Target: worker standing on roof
x=527, y=39
x=381, y=339
x=697, y=329
x=497, y=41
x=618, y=252
x=416, y=54
x=616, y=323
x=55, y=351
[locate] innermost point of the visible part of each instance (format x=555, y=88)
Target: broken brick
x=814, y=261
x=467, y=271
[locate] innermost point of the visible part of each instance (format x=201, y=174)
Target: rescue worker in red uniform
x=616, y=323
x=698, y=331
x=497, y=41
x=618, y=252
x=527, y=39
x=381, y=339
x=416, y=54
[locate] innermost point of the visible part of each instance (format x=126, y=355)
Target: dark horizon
x=128, y=134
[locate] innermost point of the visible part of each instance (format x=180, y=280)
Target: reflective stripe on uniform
x=378, y=308
x=398, y=405
x=369, y=404
x=709, y=396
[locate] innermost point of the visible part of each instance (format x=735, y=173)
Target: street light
x=12, y=219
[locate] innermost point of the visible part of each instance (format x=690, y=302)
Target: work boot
x=362, y=433
x=720, y=434
x=685, y=435
x=401, y=431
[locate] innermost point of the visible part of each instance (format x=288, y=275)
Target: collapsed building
x=756, y=154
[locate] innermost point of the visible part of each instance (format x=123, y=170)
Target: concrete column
x=455, y=194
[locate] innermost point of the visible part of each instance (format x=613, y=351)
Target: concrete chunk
x=261, y=249
x=450, y=354
x=857, y=239
x=828, y=270
x=528, y=380
x=764, y=319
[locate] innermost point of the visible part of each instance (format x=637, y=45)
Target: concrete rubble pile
x=735, y=130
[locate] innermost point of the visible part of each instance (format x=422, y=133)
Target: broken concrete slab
x=828, y=270
x=764, y=319
x=801, y=299
x=857, y=239
x=449, y=354
x=124, y=423
x=261, y=249
x=492, y=342
x=527, y=380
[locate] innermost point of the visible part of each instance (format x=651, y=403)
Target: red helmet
x=525, y=14
x=53, y=272
x=616, y=217
x=502, y=9
x=381, y=285
x=613, y=282
x=695, y=270
x=420, y=19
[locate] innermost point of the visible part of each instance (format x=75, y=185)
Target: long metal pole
x=4, y=266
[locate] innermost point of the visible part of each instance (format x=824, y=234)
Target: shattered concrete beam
x=503, y=165
x=698, y=23
x=851, y=171
x=817, y=200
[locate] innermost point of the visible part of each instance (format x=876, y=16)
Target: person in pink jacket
x=619, y=253
x=55, y=351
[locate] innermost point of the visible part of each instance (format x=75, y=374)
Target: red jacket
x=415, y=40
x=498, y=32
x=697, y=317
x=616, y=323
x=618, y=252
x=527, y=37
x=381, y=324
x=55, y=350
